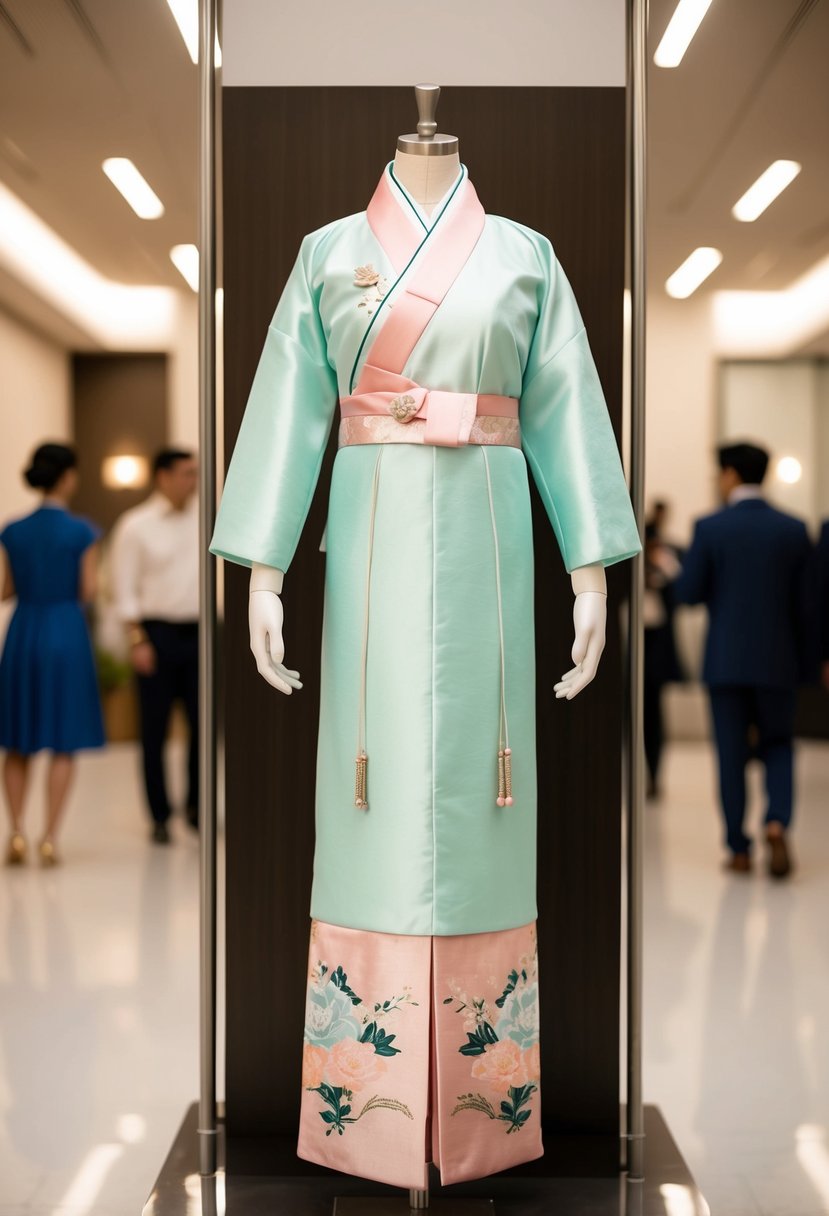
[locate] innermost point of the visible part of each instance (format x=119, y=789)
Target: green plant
x=113, y=673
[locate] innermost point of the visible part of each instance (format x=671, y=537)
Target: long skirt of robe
x=421, y=1049
x=431, y=889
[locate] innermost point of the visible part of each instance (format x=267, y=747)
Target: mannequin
x=422, y=994
x=265, y=619
x=427, y=164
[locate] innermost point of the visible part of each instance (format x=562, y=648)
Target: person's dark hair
x=48, y=465
x=749, y=461
x=167, y=457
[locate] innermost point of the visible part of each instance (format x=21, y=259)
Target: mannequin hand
x=590, y=619
x=265, y=621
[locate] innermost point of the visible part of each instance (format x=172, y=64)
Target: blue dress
x=48, y=684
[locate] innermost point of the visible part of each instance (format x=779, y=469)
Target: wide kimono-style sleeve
x=276, y=461
x=567, y=434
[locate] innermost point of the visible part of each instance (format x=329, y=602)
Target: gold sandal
x=48, y=853
x=16, y=852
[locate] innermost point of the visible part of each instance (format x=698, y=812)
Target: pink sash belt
x=449, y=417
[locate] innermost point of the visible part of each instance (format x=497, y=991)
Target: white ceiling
x=81, y=80
x=751, y=89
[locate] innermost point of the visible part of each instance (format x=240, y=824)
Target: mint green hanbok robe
x=428, y=663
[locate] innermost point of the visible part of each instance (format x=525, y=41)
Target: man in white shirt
x=155, y=579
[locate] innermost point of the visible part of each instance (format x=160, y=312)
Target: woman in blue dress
x=49, y=696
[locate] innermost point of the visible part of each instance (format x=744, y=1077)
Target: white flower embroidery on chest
x=377, y=285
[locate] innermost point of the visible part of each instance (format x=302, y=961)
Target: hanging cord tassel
x=504, y=797
x=361, y=779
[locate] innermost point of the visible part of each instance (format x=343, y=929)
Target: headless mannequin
x=427, y=179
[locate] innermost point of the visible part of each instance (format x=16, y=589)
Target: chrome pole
x=207, y=1128
x=637, y=81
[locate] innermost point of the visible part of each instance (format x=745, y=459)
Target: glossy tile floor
x=98, y=1017
x=98, y=1003
x=737, y=996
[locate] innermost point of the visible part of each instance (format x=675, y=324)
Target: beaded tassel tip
x=508, y=775
x=360, y=787
x=502, y=782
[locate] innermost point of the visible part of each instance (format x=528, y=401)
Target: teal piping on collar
x=429, y=232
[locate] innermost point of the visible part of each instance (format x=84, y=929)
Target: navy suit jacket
x=823, y=589
x=752, y=566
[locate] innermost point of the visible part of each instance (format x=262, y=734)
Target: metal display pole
x=207, y=1129
x=637, y=22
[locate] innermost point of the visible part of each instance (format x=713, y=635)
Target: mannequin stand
x=403, y=1206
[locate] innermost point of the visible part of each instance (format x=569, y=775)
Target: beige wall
x=822, y=458
x=681, y=404
x=475, y=42
x=183, y=373
x=35, y=404
x=776, y=404
x=35, y=396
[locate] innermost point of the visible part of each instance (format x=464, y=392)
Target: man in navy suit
x=750, y=565
x=823, y=599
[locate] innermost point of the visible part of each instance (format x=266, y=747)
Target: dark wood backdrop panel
x=119, y=407
x=294, y=159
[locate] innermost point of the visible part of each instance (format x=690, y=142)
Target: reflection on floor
x=98, y=989
x=98, y=1003
x=737, y=996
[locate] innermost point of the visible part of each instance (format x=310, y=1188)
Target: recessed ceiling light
x=693, y=271
x=685, y=22
x=765, y=190
x=185, y=258
x=139, y=194
x=186, y=14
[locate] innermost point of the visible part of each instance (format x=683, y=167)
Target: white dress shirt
x=154, y=554
x=744, y=491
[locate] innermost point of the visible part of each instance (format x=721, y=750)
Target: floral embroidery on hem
x=511, y=1111
x=340, y=1114
x=502, y=1041
x=344, y=1055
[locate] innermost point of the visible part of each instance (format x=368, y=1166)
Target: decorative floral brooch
x=368, y=277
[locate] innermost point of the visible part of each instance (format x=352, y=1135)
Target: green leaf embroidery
x=340, y=980
x=479, y=1040
x=512, y=981
x=381, y=1041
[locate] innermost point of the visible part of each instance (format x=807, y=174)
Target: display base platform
x=297, y=1188
x=400, y=1207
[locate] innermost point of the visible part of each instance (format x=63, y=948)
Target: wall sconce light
x=789, y=469
x=125, y=472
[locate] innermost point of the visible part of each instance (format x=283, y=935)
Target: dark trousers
x=653, y=728
x=753, y=722
x=176, y=677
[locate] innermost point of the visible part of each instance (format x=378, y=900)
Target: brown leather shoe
x=780, y=863
x=738, y=863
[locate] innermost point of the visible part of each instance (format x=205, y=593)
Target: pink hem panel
x=417, y=1047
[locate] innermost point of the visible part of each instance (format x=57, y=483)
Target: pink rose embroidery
x=501, y=1066
x=313, y=1065
x=354, y=1065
